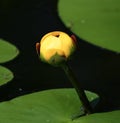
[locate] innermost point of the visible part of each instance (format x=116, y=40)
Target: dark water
x=23, y=23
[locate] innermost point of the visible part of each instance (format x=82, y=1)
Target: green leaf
x=108, y=117
x=7, y=51
x=51, y=106
x=5, y=75
x=96, y=21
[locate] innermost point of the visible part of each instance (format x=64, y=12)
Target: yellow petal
x=50, y=43
x=67, y=43
x=52, y=52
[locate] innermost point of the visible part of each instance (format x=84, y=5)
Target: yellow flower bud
x=56, y=47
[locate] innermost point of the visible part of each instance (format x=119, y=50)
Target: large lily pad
x=5, y=75
x=96, y=21
x=51, y=106
x=7, y=51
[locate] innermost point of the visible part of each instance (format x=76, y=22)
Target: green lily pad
x=96, y=21
x=7, y=51
x=51, y=106
x=5, y=75
x=108, y=117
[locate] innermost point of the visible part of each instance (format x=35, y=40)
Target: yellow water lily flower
x=56, y=47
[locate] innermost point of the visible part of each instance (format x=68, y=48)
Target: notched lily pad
x=5, y=75
x=7, y=51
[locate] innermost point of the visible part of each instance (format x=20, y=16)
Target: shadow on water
x=23, y=23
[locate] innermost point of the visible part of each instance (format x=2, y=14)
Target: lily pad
x=51, y=106
x=96, y=21
x=108, y=117
x=5, y=75
x=7, y=51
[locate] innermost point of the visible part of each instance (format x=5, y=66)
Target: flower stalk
x=82, y=96
x=56, y=48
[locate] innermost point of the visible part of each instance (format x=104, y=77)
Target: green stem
x=82, y=96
